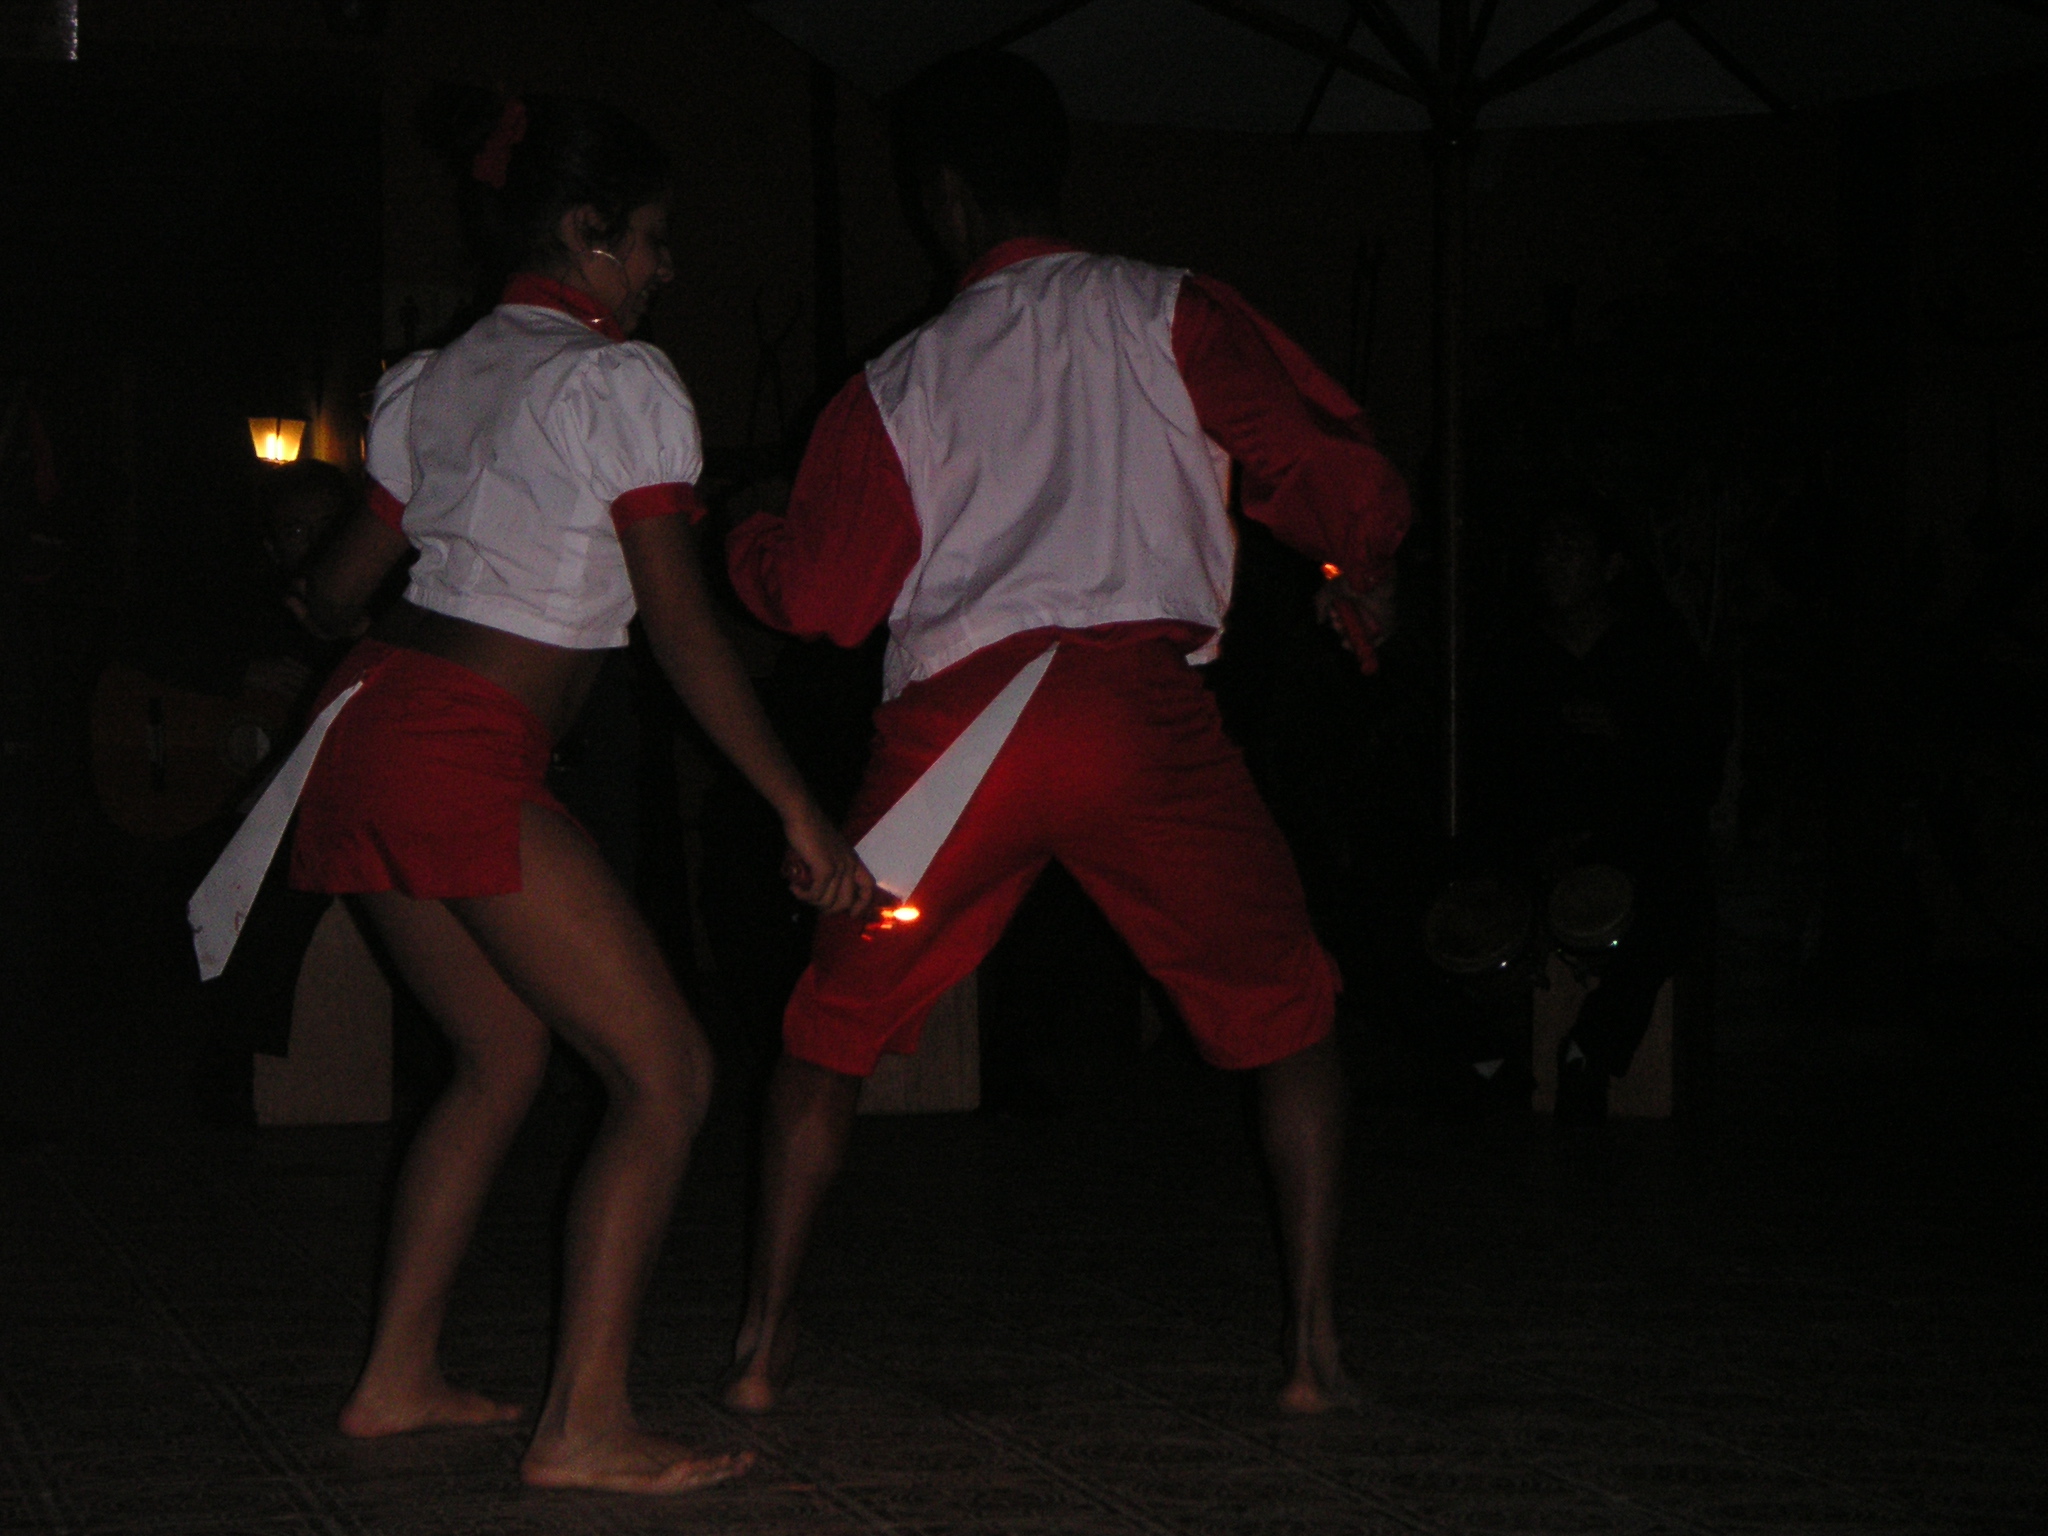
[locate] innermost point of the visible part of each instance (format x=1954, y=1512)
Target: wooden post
x=339, y=1069
x=945, y=1074
x=1646, y=1091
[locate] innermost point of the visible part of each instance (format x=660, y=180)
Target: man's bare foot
x=1311, y=1390
x=759, y=1377
x=372, y=1412
x=631, y=1462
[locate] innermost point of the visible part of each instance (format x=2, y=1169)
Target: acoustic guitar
x=166, y=760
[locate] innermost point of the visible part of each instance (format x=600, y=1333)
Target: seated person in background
x=276, y=658
x=297, y=507
x=215, y=620
x=1600, y=736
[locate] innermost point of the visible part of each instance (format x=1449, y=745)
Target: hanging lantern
x=276, y=438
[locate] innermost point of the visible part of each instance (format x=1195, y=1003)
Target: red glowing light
x=1330, y=571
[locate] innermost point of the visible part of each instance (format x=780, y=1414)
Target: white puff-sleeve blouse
x=511, y=458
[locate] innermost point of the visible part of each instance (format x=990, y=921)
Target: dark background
x=1808, y=354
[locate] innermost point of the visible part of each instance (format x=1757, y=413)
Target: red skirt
x=420, y=781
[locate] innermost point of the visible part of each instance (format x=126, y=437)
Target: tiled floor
x=1819, y=1314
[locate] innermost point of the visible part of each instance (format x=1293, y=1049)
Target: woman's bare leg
x=501, y=1051
x=572, y=946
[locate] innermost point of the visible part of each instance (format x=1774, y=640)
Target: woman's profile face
x=640, y=266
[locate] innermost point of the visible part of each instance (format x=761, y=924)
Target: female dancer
x=542, y=466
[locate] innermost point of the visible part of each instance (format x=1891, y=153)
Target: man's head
x=1581, y=551
x=297, y=507
x=981, y=147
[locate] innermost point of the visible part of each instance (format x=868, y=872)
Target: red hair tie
x=493, y=160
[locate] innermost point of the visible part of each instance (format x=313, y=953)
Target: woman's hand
x=822, y=868
x=682, y=625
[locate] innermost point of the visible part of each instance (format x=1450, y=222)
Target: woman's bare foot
x=759, y=1376
x=631, y=1462
x=373, y=1411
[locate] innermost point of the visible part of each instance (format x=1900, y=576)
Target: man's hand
x=1363, y=620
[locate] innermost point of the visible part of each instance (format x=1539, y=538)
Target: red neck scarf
x=532, y=288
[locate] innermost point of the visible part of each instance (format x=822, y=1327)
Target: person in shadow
x=1601, y=737
x=297, y=508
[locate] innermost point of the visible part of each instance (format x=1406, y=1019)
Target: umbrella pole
x=828, y=261
x=1453, y=159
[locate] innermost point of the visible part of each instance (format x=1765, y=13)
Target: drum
x=1589, y=910
x=1478, y=929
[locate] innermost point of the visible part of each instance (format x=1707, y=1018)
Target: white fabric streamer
x=901, y=846
x=221, y=905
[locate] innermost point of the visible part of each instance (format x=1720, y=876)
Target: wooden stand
x=339, y=1069
x=1646, y=1092
x=945, y=1075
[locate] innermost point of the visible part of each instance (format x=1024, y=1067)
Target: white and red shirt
x=1045, y=455
x=511, y=458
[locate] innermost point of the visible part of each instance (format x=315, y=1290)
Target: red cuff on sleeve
x=669, y=500
x=387, y=508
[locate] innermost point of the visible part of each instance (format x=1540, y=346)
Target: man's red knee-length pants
x=1119, y=769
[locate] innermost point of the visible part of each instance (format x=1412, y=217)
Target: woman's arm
x=676, y=607
x=332, y=600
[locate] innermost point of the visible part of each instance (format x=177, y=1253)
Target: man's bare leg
x=1301, y=1122
x=810, y=1118
x=501, y=1051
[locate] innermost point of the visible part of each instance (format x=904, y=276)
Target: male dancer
x=1046, y=462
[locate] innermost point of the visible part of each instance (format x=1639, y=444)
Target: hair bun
x=520, y=162
x=456, y=119
x=495, y=157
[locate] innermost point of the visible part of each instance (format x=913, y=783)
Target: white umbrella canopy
x=1259, y=65
x=1440, y=67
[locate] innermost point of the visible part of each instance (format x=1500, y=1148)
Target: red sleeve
x=387, y=508
x=1310, y=470
x=832, y=564
x=673, y=499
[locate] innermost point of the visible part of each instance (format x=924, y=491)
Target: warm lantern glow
x=276, y=439
x=1330, y=571
x=902, y=914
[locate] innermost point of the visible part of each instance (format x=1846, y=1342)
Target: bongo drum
x=1589, y=911
x=1477, y=930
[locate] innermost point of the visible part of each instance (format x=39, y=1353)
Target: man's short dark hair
x=994, y=119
